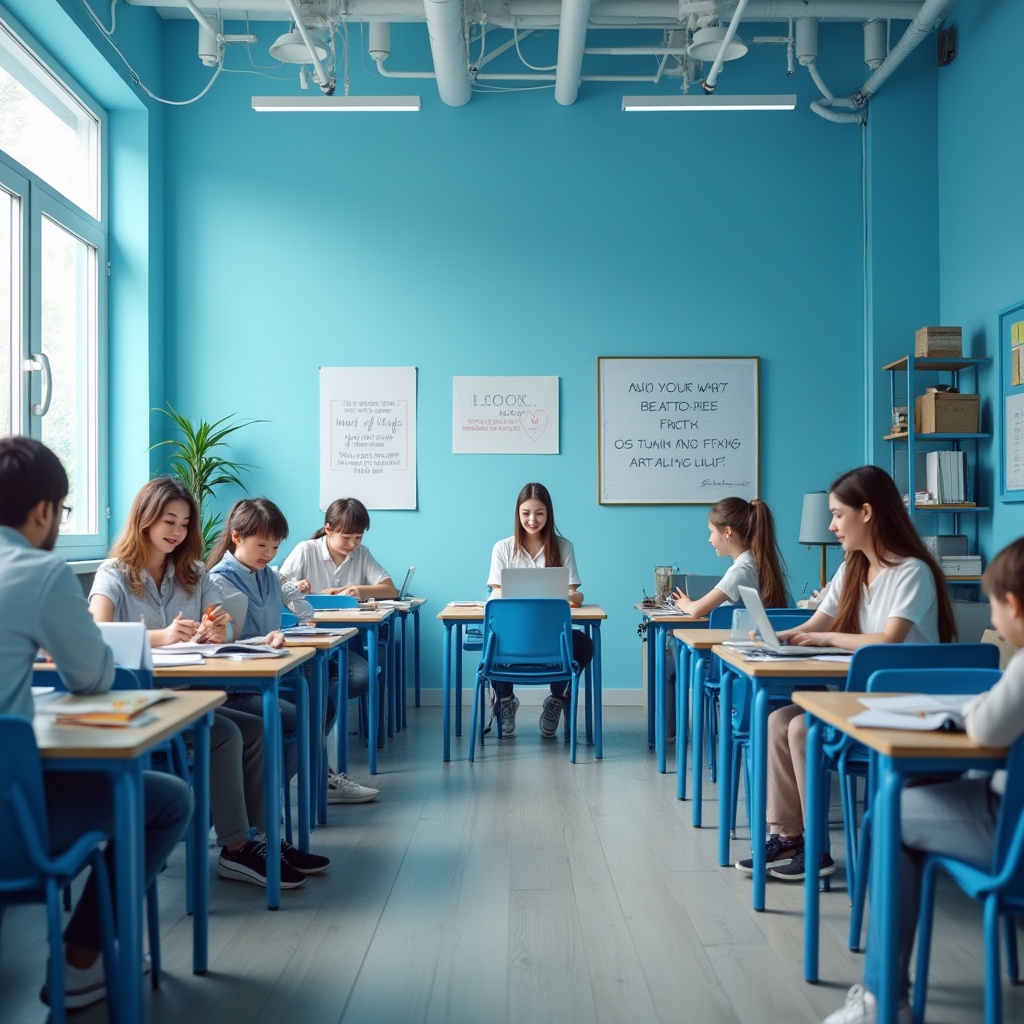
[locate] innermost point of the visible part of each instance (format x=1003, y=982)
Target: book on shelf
x=919, y=712
x=946, y=475
x=126, y=708
x=960, y=565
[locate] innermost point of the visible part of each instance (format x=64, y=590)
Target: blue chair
x=1001, y=889
x=526, y=641
x=28, y=873
x=955, y=668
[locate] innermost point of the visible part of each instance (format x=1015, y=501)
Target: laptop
x=694, y=586
x=403, y=591
x=536, y=582
x=752, y=601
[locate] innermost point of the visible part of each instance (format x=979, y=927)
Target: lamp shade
x=815, y=520
x=291, y=49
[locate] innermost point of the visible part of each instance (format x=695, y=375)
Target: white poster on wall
x=368, y=435
x=505, y=415
x=677, y=430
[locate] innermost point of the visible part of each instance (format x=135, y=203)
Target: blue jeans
x=957, y=817
x=77, y=802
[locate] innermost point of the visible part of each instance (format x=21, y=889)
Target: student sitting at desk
x=889, y=590
x=253, y=531
x=335, y=561
x=534, y=544
x=154, y=574
x=41, y=605
x=957, y=817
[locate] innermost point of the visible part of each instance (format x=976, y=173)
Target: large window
x=52, y=279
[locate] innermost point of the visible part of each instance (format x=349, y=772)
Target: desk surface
x=787, y=668
x=112, y=743
x=228, y=668
x=701, y=639
x=662, y=615
x=321, y=643
x=837, y=708
x=475, y=613
x=353, y=615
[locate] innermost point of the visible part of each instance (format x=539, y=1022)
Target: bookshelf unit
x=929, y=517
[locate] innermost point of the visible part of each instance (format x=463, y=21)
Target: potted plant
x=197, y=459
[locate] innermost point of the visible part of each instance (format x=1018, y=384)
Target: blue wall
x=514, y=236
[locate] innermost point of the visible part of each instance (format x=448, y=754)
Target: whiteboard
x=677, y=431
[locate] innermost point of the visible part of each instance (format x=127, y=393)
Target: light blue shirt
x=42, y=605
x=257, y=600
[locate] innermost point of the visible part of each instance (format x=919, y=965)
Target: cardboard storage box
x=945, y=413
x=939, y=341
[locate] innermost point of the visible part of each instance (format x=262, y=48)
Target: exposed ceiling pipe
x=326, y=85
x=709, y=83
x=448, y=47
x=203, y=20
x=572, y=37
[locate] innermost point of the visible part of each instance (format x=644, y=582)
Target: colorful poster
x=505, y=415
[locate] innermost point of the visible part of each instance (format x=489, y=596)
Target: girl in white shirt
x=889, y=590
x=535, y=544
x=745, y=532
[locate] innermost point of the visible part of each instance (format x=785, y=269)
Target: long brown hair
x=250, y=517
x=893, y=538
x=549, y=535
x=754, y=526
x=133, y=547
x=345, y=515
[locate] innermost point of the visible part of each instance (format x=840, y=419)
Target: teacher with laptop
x=536, y=544
x=889, y=590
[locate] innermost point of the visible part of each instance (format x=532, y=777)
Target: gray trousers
x=236, y=775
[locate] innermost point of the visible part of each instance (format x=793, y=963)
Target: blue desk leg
x=660, y=737
x=588, y=689
x=403, y=666
x=598, y=694
x=681, y=654
x=724, y=765
x=272, y=767
x=457, y=655
x=342, y=720
x=200, y=843
x=446, y=692
x=812, y=847
x=391, y=677
x=758, y=783
x=373, y=702
x=317, y=713
x=651, y=634
x=416, y=651
x=302, y=726
x=698, y=674
x=885, y=881
x=129, y=870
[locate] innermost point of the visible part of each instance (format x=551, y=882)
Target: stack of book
x=947, y=477
x=960, y=565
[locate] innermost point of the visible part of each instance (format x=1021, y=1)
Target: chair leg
x=574, y=702
x=153, y=928
x=993, y=993
x=287, y=812
x=55, y=978
x=924, y=938
x=1012, y=963
x=476, y=720
x=860, y=891
x=848, y=798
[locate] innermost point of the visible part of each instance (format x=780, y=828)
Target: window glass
x=10, y=310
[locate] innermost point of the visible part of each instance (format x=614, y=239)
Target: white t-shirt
x=996, y=718
x=505, y=556
x=904, y=591
x=311, y=560
x=742, y=573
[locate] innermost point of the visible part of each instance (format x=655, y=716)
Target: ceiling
x=683, y=43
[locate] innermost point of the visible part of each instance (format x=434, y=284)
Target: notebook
x=535, y=582
x=694, y=586
x=752, y=601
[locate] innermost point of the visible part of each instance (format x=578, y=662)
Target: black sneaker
x=776, y=851
x=795, y=871
x=307, y=863
x=249, y=864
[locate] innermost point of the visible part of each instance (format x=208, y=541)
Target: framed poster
x=677, y=431
x=505, y=415
x=1011, y=404
x=368, y=435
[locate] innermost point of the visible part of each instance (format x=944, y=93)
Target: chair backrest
x=19, y=768
x=867, y=660
x=527, y=632
x=782, y=618
x=288, y=619
x=332, y=601
x=933, y=680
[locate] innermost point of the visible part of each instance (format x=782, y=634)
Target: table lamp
x=814, y=527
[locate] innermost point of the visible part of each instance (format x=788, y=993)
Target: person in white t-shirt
x=536, y=544
x=889, y=590
x=745, y=532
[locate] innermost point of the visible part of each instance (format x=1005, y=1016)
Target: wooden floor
x=521, y=889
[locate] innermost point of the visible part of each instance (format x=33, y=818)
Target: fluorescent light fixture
x=699, y=101
x=334, y=104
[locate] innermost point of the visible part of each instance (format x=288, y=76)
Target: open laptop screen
x=553, y=582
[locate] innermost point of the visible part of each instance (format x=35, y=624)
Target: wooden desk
x=120, y=753
x=767, y=679
x=263, y=676
x=369, y=622
x=896, y=755
x=693, y=649
x=659, y=624
x=458, y=614
x=324, y=646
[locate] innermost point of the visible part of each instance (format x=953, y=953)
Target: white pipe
x=203, y=20
x=448, y=48
x=709, y=83
x=572, y=37
x=318, y=68
x=839, y=117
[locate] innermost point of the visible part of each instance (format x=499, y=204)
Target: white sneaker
x=342, y=790
x=84, y=986
x=508, y=706
x=861, y=1007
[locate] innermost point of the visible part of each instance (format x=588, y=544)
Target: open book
x=240, y=650
x=117, y=708
x=920, y=712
